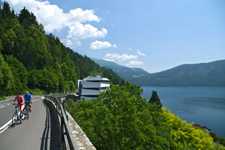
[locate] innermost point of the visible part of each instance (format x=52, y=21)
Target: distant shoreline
x=203, y=105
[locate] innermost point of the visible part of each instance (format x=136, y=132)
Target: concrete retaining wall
x=82, y=140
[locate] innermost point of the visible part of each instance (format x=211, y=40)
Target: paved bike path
x=7, y=109
x=37, y=133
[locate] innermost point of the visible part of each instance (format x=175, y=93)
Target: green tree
x=51, y=79
x=155, y=99
x=184, y=135
x=119, y=119
x=6, y=13
x=20, y=41
x=19, y=73
x=72, y=86
x=1, y=45
x=122, y=82
x=26, y=18
x=95, y=73
x=6, y=78
x=9, y=38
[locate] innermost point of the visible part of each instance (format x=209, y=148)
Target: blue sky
x=154, y=35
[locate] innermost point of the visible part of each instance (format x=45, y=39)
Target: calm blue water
x=201, y=105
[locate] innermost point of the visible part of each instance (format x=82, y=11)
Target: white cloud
x=78, y=31
x=113, y=60
x=132, y=60
x=123, y=57
x=70, y=43
x=101, y=45
x=114, y=46
x=54, y=19
x=134, y=63
x=80, y=15
x=51, y=16
x=78, y=43
x=141, y=54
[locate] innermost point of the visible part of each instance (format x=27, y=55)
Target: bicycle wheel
x=20, y=116
x=14, y=119
x=28, y=109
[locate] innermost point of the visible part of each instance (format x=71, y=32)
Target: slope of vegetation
x=31, y=59
x=121, y=119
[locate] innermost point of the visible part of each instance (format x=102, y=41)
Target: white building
x=90, y=87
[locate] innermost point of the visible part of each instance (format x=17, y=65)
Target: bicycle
x=27, y=109
x=17, y=116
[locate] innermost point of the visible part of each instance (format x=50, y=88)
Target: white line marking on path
x=5, y=125
x=2, y=106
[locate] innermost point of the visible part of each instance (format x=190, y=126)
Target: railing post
x=62, y=132
x=64, y=108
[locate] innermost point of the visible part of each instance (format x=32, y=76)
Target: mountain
x=126, y=73
x=202, y=74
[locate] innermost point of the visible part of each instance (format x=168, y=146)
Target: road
x=39, y=132
x=6, y=110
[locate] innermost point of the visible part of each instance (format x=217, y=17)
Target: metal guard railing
x=70, y=143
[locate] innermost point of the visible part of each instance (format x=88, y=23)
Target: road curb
x=6, y=100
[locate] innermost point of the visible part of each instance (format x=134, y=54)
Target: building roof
x=96, y=78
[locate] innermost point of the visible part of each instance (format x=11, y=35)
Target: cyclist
x=28, y=99
x=20, y=101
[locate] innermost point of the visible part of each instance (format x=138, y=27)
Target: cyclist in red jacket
x=20, y=101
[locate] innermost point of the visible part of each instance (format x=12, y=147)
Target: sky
x=154, y=35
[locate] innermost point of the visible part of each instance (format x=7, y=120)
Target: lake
x=200, y=105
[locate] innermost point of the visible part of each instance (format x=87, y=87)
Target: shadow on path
x=50, y=137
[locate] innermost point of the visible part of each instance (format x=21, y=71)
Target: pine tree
x=26, y=18
x=155, y=99
x=6, y=13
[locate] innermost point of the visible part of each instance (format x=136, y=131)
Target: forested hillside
x=202, y=74
x=128, y=74
x=32, y=59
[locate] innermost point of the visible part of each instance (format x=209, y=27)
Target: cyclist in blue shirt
x=28, y=99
